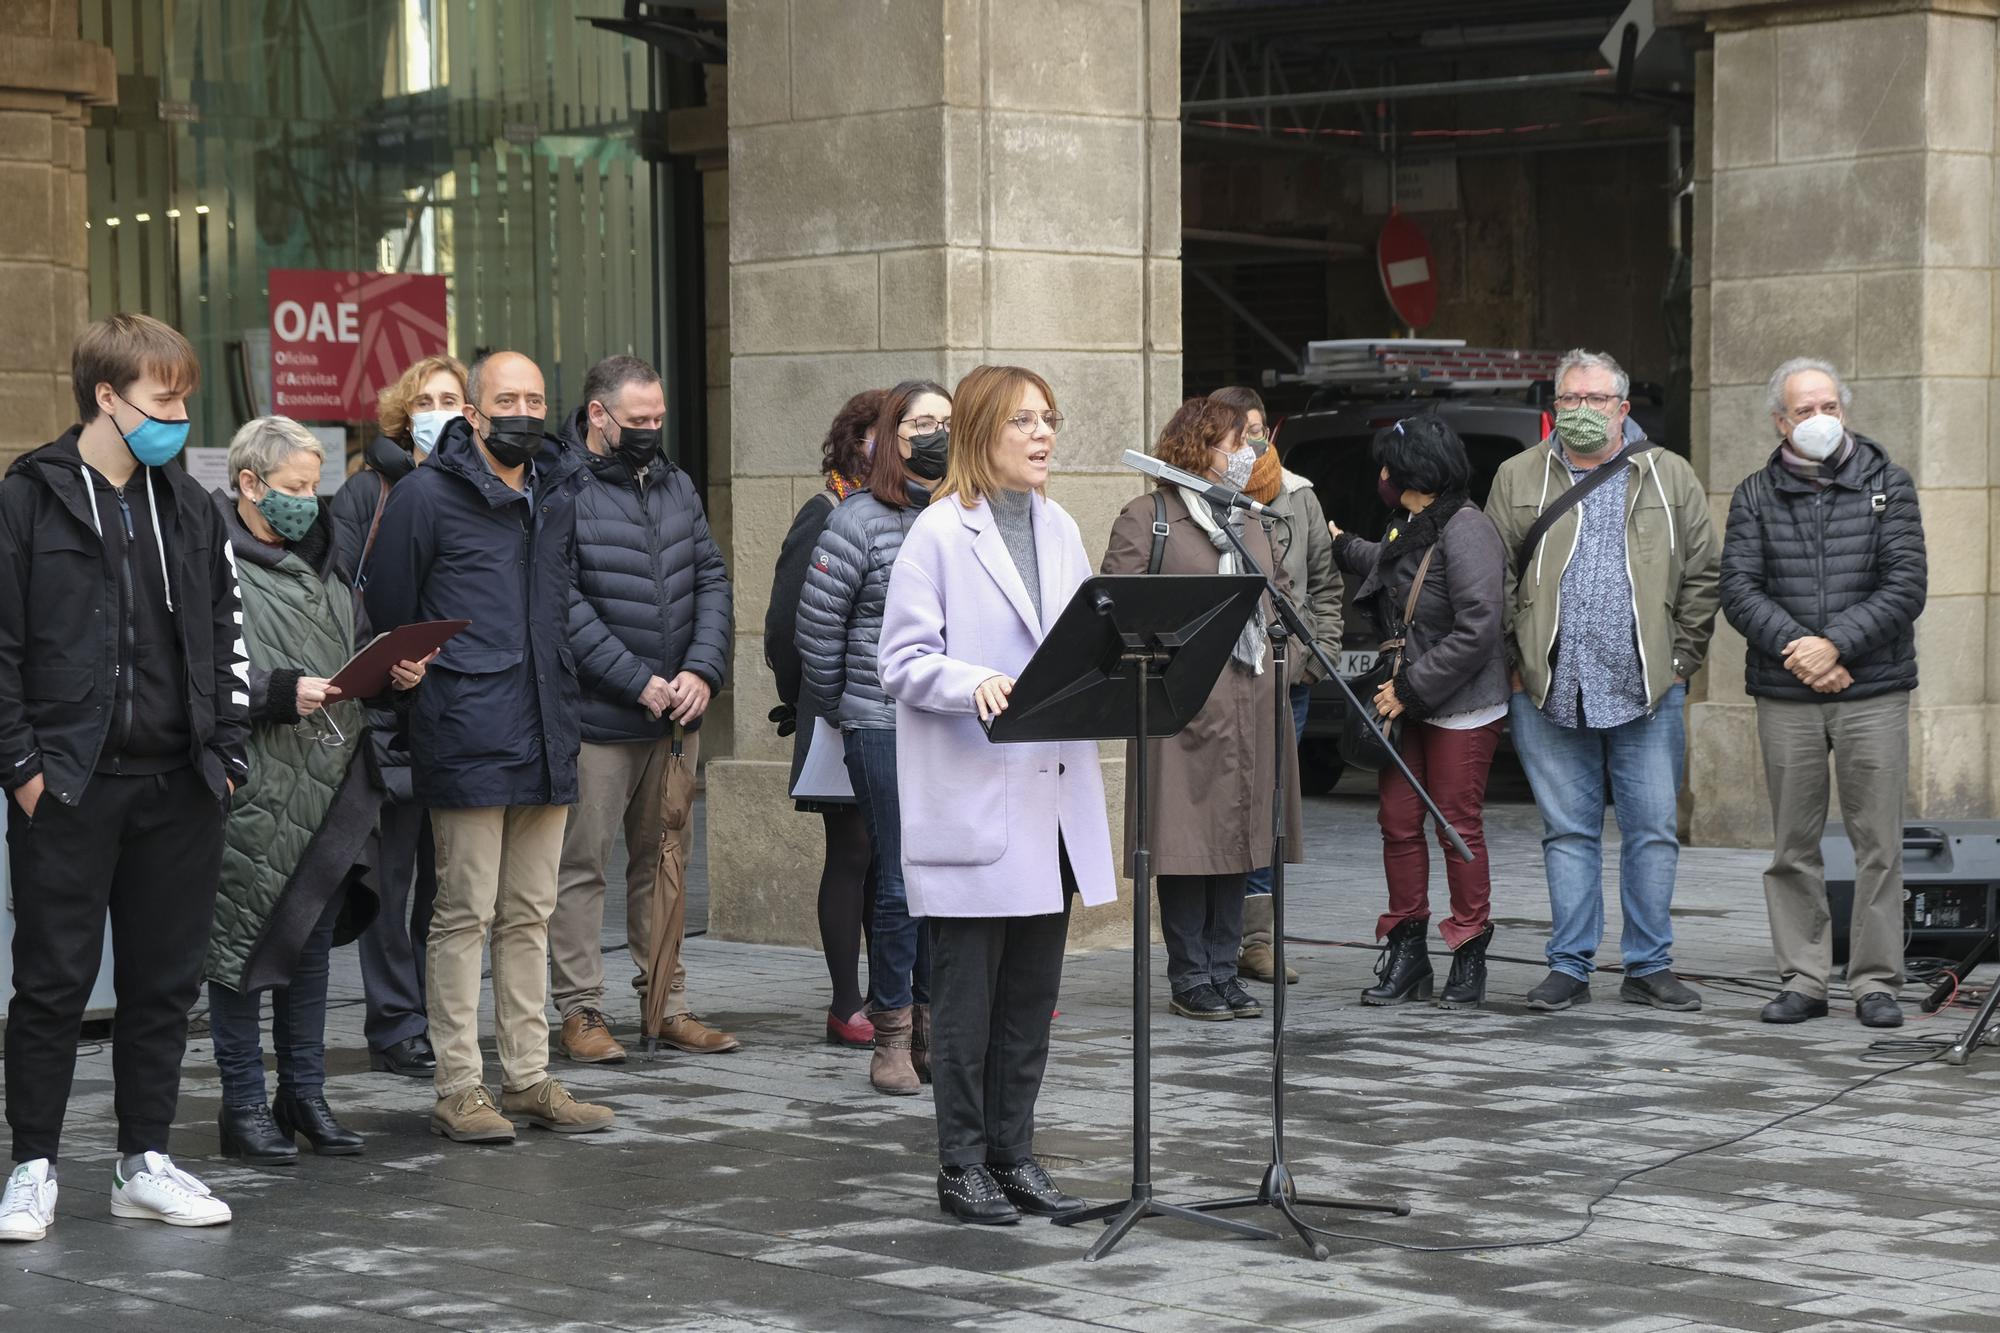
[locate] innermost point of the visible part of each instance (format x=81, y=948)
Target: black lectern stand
x=1134, y=656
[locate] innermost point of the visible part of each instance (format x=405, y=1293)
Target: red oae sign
x=338, y=338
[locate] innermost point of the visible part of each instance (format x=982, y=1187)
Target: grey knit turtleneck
x=1013, y=515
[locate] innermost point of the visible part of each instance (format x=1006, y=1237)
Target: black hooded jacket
x=71, y=687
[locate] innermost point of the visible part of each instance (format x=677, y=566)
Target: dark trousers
x=1201, y=919
x=1453, y=766
x=298, y=1025
x=994, y=993
x=147, y=850
x=392, y=948
x=899, y=956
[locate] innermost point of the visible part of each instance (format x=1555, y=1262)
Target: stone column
x=48, y=77
x=1846, y=211
x=917, y=187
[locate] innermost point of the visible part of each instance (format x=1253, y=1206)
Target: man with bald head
x=1824, y=574
x=486, y=532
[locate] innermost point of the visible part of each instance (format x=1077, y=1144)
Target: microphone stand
x=1278, y=1189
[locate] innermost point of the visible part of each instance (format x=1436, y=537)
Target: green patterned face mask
x=291, y=516
x=1583, y=430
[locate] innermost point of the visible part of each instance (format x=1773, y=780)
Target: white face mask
x=1817, y=437
x=1236, y=473
x=425, y=427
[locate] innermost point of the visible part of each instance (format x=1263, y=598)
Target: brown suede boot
x=587, y=1040
x=891, y=1071
x=920, y=1042
x=1256, y=962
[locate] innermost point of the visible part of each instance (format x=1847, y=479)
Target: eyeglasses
x=1597, y=402
x=325, y=731
x=925, y=425
x=1025, y=421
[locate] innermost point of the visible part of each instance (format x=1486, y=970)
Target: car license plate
x=1355, y=662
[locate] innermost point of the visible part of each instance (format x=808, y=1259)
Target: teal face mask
x=1584, y=430
x=290, y=516
x=153, y=441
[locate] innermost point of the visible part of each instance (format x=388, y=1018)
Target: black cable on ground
x=1590, y=1208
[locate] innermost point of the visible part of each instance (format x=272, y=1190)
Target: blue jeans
x=1260, y=880
x=899, y=956
x=298, y=1025
x=1567, y=769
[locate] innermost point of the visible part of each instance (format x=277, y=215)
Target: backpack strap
x=1159, y=531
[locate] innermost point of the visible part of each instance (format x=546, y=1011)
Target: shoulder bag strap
x=1394, y=647
x=368, y=547
x=1159, y=532
x=1569, y=500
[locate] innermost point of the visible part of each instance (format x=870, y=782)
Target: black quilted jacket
x=1846, y=563
x=652, y=593
x=840, y=611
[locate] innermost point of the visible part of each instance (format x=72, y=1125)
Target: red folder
x=367, y=672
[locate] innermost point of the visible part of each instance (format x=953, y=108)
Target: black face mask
x=513, y=441
x=929, y=454
x=637, y=446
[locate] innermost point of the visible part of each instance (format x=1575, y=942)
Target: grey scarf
x=1249, y=650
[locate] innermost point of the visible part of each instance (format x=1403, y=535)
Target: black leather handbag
x=1358, y=745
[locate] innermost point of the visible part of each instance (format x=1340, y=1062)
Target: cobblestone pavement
x=772, y=1189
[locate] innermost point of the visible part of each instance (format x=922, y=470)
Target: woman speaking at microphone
x=996, y=838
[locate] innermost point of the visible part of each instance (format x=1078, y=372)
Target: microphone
x=1220, y=495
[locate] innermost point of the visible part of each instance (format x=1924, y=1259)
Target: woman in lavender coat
x=996, y=838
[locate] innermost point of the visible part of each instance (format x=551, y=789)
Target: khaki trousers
x=1869, y=740
x=616, y=785
x=496, y=870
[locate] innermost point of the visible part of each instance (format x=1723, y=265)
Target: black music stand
x=1134, y=657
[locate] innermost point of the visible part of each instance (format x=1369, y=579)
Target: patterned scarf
x=1249, y=650
x=842, y=487
x=1816, y=474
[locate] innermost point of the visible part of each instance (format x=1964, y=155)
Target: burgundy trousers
x=1452, y=766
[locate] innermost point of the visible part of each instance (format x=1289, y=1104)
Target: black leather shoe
x=1878, y=1009
x=311, y=1116
x=1792, y=1007
x=1662, y=990
x=1030, y=1189
x=1203, y=1002
x=410, y=1057
x=971, y=1194
x=1242, y=1004
x=1558, y=991
x=249, y=1134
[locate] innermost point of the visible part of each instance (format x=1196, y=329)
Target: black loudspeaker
x=1951, y=885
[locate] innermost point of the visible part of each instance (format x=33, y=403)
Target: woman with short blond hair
x=996, y=838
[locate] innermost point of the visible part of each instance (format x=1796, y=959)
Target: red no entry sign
x=338, y=338
x=1409, y=276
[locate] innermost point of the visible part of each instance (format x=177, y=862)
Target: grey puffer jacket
x=652, y=594
x=840, y=611
x=1846, y=563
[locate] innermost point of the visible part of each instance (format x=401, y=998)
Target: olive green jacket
x=1672, y=555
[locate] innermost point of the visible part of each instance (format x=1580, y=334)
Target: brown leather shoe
x=890, y=1071
x=920, y=1041
x=588, y=1041
x=685, y=1032
x=469, y=1117
x=549, y=1106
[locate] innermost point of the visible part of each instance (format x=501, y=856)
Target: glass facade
x=488, y=141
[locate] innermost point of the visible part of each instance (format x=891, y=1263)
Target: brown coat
x=1211, y=784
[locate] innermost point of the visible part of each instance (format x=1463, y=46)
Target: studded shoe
x=971, y=1194
x=1028, y=1186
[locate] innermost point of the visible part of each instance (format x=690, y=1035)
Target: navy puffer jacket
x=652, y=592
x=1846, y=563
x=495, y=721
x=840, y=611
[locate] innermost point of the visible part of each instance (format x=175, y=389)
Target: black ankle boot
x=1465, y=988
x=251, y=1135
x=310, y=1116
x=1404, y=969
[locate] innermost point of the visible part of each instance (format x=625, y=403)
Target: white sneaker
x=28, y=1208
x=165, y=1193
